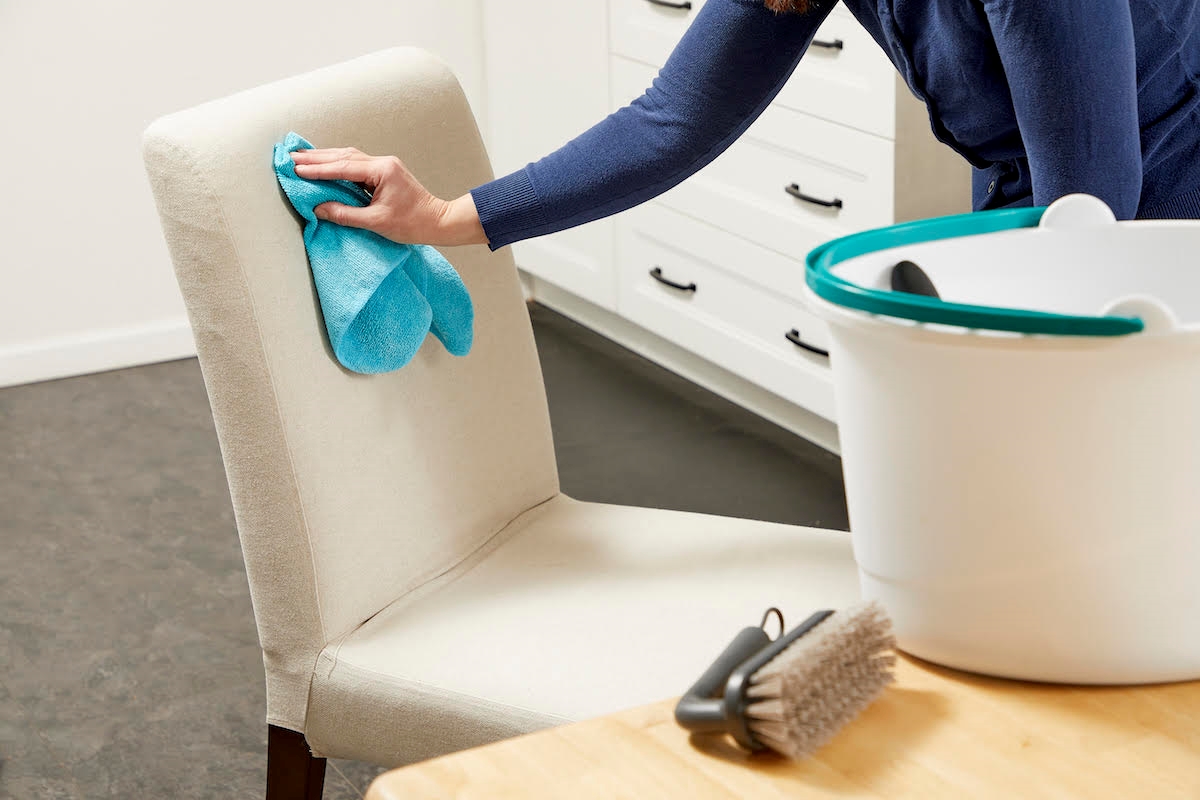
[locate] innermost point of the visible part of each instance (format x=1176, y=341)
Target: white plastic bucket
x=1029, y=505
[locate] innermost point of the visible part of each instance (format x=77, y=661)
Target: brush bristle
x=824, y=679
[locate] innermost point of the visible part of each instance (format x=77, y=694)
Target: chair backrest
x=349, y=490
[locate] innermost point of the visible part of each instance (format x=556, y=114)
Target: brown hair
x=788, y=6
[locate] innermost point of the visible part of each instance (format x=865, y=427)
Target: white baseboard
x=96, y=351
x=732, y=387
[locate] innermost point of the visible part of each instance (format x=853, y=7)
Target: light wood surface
x=935, y=733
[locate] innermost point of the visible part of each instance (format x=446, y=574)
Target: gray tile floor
x=129, y=664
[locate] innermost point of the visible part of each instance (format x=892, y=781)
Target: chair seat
x=574, y=610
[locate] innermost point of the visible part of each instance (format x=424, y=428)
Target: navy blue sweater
x=1042, y=97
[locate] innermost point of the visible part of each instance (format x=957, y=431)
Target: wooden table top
x=934, y=733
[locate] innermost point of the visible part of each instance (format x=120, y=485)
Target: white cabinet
x=696, y=284
x=546, y=66
x=847, y=174
x=647, y=31
x=715, y=265
x=844, y=78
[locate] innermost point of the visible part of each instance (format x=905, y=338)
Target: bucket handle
x=839, y=291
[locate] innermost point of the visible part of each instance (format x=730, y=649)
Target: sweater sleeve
x=729, y=65
x=1072, y=74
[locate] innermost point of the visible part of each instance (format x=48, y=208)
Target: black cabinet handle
x=657, y=274
x=685, y=5
x=793, y=336
x=794, y=190
x=836, y=44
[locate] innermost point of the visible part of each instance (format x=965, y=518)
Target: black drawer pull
x=836, y=44
x=793, y=336
x=794, y=190
x=656, y=273
x=685, y=5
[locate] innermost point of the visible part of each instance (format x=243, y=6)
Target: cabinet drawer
x=852, y=84
x=776, y=274
x=647, y=31
x=849, y=80
x=745, y=190
x=718, y=315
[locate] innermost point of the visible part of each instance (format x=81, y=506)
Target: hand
x=401, y=208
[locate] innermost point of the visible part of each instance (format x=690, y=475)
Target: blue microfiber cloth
x=379, y=298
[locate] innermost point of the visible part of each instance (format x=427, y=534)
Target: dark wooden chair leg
x=293, y=773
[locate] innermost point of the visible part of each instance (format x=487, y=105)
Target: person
x=1042, y=97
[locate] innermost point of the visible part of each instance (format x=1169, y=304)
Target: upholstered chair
x=420, y=584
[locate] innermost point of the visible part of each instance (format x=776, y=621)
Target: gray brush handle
x=734, y=696
x=698, y=710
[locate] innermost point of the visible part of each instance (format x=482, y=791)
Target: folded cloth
x=379, y=298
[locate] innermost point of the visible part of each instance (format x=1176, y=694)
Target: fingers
x=327, y=154
x=392, y=187
x=360, y=171
x=350, y=216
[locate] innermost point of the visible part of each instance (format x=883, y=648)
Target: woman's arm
x=733, y=60
x=1072, y=73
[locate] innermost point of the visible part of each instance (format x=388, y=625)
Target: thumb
x=349, y=216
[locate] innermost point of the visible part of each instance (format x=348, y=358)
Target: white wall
x=85, y=280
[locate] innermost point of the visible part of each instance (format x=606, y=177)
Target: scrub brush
x=794, y=693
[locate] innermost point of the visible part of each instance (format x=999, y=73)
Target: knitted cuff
x=508, y=207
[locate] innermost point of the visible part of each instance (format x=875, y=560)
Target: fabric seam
x=387, y=678
x=182, y=151
x=493, y=537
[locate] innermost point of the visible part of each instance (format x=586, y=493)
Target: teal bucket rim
x=837, y=290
